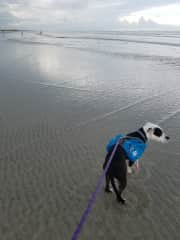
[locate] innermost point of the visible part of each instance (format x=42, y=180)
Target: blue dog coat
x=133, y=147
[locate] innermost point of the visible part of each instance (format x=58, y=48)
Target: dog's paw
x=121, y=200
x=129, y=170
x=108, y=190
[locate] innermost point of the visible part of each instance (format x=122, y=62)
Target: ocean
x=62, y=96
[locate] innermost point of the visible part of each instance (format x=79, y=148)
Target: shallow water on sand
x=60, y=101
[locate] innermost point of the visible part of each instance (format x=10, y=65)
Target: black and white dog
x=118, y=167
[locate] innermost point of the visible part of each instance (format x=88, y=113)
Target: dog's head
x=155, y=132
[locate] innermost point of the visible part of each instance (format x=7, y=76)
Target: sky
x=56, y=15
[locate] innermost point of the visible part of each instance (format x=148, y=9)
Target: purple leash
x=92, y=199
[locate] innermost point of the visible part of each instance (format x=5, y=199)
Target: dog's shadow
x=138, y=201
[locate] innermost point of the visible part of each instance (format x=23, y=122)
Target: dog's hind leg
x=118, y=193
x=108, y=189
x=122, y=186
x=107, y=184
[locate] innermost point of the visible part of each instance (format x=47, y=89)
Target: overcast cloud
x=88, y=14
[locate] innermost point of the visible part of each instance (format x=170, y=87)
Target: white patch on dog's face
x=155, y=133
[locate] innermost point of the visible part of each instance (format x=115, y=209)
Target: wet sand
x=58, y=108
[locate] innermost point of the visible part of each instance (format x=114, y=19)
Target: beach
x=62, y=96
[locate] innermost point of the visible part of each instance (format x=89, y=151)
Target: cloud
x=139, y=5
x=48, y=4
x=32, y=13
x=77, y=14
x=141, y=24
x=168, y=15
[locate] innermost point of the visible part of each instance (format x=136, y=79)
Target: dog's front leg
x=129, y=169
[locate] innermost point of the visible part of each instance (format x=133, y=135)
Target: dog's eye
x=158, y=132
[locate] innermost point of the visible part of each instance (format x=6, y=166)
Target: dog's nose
x=167, y=137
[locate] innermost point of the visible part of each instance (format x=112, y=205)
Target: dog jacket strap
x=142, y=135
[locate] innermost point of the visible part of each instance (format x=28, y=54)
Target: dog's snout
x=167, y=138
